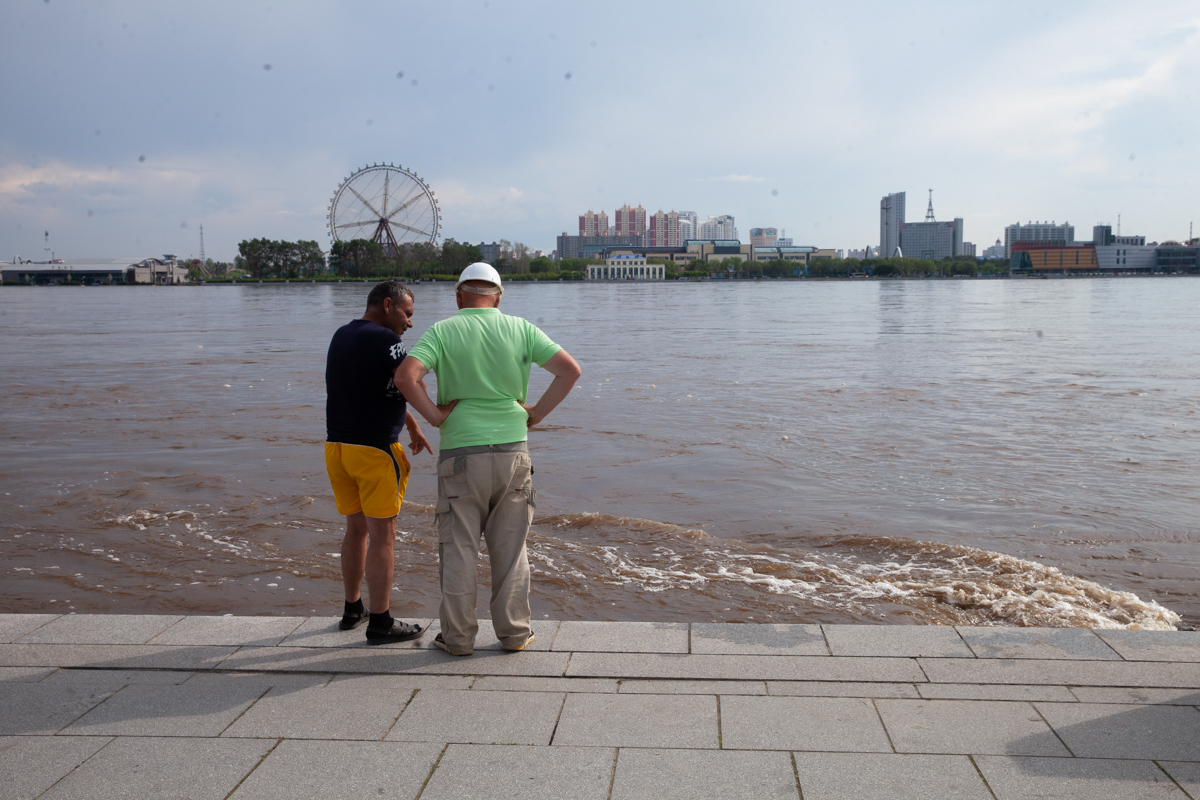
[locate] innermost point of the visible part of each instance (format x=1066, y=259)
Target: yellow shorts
x=367, y=479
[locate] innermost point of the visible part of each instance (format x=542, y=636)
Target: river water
x=994, y=452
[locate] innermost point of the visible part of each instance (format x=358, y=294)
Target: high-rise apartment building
x=592, y=224
x=719, y=227
x=995, y=251
x=891, y=220
x=630, y=221
x=687, y=229
x=1038, y=232
x=764, y=237
x=663, y=230
x=932, y=240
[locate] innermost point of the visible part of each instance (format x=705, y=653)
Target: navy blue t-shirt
x=363, y=405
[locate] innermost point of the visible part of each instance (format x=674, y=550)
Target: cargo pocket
x=452, y=484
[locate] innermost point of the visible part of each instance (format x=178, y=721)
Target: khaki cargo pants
x=485, y=490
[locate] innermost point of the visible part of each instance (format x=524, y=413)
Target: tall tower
x=929, y=211
x=891, y=220
x=201, y=243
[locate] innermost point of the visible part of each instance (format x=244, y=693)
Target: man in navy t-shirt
x=366, y=463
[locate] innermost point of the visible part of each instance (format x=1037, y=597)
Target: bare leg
x=381, y=561
x=354, y=555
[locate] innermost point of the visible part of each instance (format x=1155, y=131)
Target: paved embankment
x=288, y=707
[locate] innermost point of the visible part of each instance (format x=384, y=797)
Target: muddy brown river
x=961, y=451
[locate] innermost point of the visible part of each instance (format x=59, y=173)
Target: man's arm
x=417, y=441
x=565, y=371
x=410, y=380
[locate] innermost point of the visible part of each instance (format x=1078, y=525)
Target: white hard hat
x=479, y=271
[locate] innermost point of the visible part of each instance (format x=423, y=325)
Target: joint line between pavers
x=411, y=697
x=54, y=618
x=1113, y=649
x=612, y=777
x=77, y=766
x=566, y=666
x=720, y=739
x=244, y=710
x=432, y=770
x=255, y=767
x=796, y=775
x=558, y=718
x=164, y=630
x=924, y=674
x=1051, y=727
x=90, y=709
x=689, y=638
x=1071, y=691
x=1170, y=777
x=882, y=724
x=982, y=777
x=825, y=639
x=970, y=649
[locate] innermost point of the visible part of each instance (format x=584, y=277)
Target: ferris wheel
x=386, y=203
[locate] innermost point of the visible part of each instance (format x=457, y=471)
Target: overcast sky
x=523, y=115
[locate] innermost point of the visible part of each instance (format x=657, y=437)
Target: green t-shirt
x=482, y=359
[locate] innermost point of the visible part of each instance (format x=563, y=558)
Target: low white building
x=626, y=268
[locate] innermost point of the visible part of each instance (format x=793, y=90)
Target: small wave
x=934, y=583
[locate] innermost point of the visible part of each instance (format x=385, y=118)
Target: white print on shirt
x=397, y=350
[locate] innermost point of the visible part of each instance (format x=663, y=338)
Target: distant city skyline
x=248, y=116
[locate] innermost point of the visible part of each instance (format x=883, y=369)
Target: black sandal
x=399, y=632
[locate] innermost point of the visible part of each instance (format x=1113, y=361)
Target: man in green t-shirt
x=482, y=360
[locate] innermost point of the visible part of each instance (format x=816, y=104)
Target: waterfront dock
x=155, y=706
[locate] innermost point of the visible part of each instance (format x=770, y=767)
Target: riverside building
x=592, y=224
x=764, y=237
x=1046, y=233
x=626, y=267
x=891, y=219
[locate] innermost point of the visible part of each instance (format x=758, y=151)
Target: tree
x=456, y=256
x=264, y=258
x=357, y=258
x=542, y=264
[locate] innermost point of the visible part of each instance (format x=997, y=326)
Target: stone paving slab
x=1076, y=644
x=703, y=775
x=1063, y=673
x=693, y=687
x=255, y=681
x=636, y=720
x=887, y=776
x=1126, y=731
x=24, y=674
x=488, y=772
x=969, y=727
x=106, y=656
x=1021, y=778
x=382, y=660
x=345, y=713
x=101, y=629
x=340, y=771
x=840, y=689
x=896, y=640
x=802, y=723
x=718, y=638
x=1154, y=645
x=372, y=683
x=165, y=711
x=255, y=631
x=770, y=668
x=14, y=626
x=469, y=717
x=622, y=637
x=501, y=683
x=544, y=633
x=114, y=679
x=1165, y=697
x=323, y=632
x=1185, y=773
x=34, y=709
x=969, y=691
x=162, y=769
x=32, y=764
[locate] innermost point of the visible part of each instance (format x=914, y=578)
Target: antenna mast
x=929, y=211
x=202, y=243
